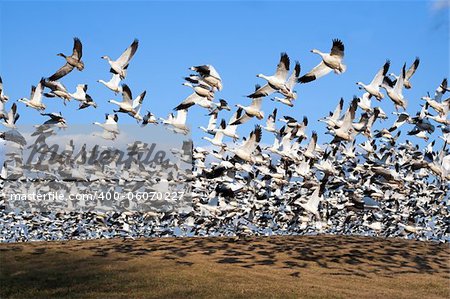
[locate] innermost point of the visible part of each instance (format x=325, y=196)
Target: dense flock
x=363, y=181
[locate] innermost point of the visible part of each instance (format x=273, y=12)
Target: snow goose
x=254, y=110
x=11, y=118
x=128, y=105
x=312, y=205
x=394, y=91
x=218, y=136
x=195, y=99
x=250, y=111
x=230, y=130
x=81, y=96
x=178, y=123
x=110, y=124
x=202, y=90
x=330, y=61
x=270, y=123
x=209, y=75
x=374, y=87
x=72, y=61
x=290, y=84
x=3, y=98
x=442, y=107
x=55, y=119
x=211, y=124
x=245, y=152
x=57, y=90
x=149, y=118
x=333, y=119
x=35, y=100
x=276, y=82
x=120, y=65
x=409, y=73
x=3, y=113
x=345, y=131
x=310, y=151
x=113, y=84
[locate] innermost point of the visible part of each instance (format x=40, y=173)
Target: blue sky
x=241, y=39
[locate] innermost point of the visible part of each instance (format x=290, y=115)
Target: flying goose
x=276, y=82
x=55, y=119
x=110, y=124
x=80, y=93
x=345, y=131
x=3, y=113
x=442, y=107
x=330, y=61
x=218, y=136
x=245, y=151
x=211, y=124
x=333, y=119
x=312, y=205
x=3, y=98
x=394, y=91
x=290, y=84
x=57, y=90
x=254, y=110
x=113, y=84
x=120, y=65
x=35, y=100
x=72, y=61
x=202, y=90
x=374, y=87
x=270, y=123
x=178, y=123
x=128, y=105
x=11, y=118
x=149, y=118
x=209, y=75
x=409, y=73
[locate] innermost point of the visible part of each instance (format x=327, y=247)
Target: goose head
x=61, y=54
x=360, y=84
x=106, y=57
x=315, y=51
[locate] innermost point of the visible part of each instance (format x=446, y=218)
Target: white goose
x=3, y=98
x=409, y=73
x=3, y=113
x=290, y=84
x=209, y=75
x=113, y=84
x=128, y=105
x=11, y=118
x=57, y=90
x=276, y=82
x=218, y=136
x=211, y=124
x=312, y=205
x=178, y=123
x=254, y=110
x=120, y=65
x=245, y=152
x=35, y=100
x=330, y=61
x=270, y=123
x=374, y=87
x=394, y=91
x=110, y=124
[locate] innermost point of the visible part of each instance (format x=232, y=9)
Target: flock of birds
x=363, y=181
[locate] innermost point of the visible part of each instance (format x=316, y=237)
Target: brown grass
x=262, y=267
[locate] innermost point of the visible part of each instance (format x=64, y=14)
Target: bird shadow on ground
x=45, y=266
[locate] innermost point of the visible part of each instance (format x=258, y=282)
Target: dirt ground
x=258, y=267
